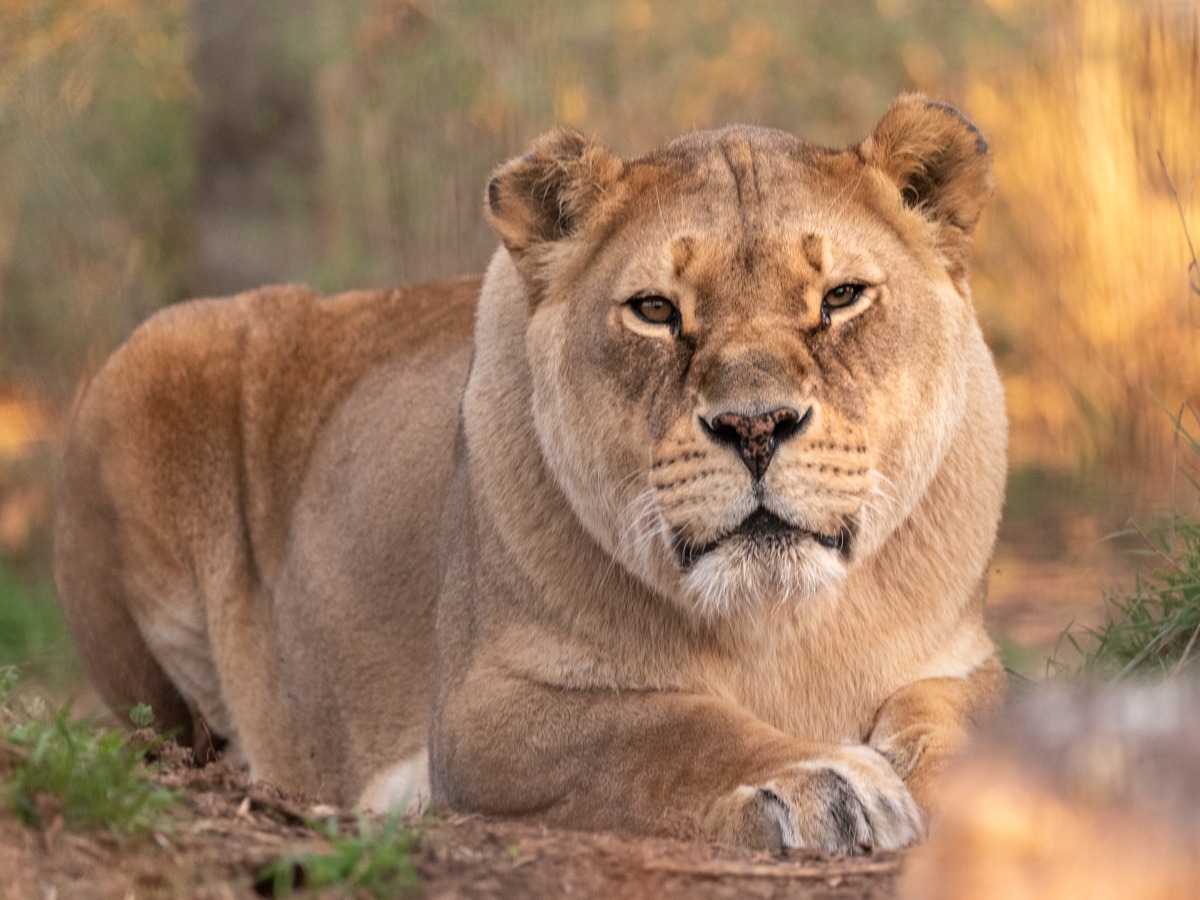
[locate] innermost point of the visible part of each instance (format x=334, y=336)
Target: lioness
x=694, y=529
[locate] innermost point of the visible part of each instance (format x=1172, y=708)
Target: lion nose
x=757, y=437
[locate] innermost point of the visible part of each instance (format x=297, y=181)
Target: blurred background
x=153, y=150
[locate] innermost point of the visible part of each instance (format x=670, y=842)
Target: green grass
x=33, y=636
x=1022, y=661
x=52, y=766
x=1155, y=630
x=378, y=862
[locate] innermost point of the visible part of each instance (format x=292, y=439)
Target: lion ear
x=549, y=193
x=940, y=164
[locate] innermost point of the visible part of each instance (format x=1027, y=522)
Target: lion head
x=746, y=354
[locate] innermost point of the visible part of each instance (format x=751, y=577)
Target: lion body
x=575, y=565
x=204, y=565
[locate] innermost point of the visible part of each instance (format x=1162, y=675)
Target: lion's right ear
x=548, y=194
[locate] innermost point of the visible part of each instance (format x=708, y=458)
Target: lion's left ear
x=940, y=164
x=549, y=193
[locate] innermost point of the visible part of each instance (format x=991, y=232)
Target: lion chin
x=764, y=560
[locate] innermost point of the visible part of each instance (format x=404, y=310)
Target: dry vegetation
x=1084, y=262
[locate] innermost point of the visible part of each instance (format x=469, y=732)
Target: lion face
x=743, y=359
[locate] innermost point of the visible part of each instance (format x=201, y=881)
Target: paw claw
x=851, y=802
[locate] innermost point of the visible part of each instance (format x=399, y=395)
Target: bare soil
x=227, y=830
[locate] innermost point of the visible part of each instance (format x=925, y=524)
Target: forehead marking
x=682, y=251
x=740, y=160
x=813, y=246
x=739, y=157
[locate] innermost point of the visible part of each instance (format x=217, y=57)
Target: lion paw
x=849, y=802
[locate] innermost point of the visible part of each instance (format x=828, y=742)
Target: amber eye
x=843, y=295
x=657, y=311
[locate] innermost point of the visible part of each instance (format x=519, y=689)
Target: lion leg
x=87, y=574
x=924, y=724
x=123, y=559
x=649, y=761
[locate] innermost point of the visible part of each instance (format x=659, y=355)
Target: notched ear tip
x=981, y=144
x=937, y=158
x=915, y=124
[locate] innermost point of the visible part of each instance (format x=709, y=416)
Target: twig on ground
x=729, y=869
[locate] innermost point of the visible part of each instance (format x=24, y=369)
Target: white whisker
x=880, y=503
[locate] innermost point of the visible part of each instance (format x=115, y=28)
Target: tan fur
x=265, y=506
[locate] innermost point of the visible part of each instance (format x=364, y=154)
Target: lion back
x=187, y=453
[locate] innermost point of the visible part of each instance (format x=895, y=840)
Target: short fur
x=654, y=602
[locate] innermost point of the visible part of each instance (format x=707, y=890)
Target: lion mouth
x=763, y=530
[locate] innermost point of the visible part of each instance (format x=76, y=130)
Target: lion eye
x=843, y=295
x=840, y=297
x=657, y=311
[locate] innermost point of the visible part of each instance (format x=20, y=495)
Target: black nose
x=757, y=437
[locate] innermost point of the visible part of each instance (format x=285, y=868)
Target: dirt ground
x=228, y=830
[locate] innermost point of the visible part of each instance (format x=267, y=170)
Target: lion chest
x=810, y=677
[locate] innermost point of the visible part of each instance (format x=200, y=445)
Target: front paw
x=849, y=801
